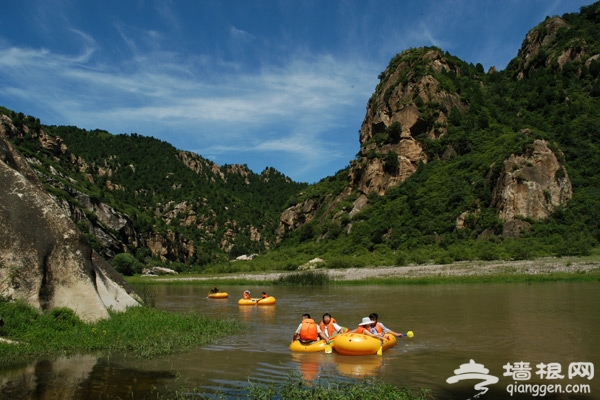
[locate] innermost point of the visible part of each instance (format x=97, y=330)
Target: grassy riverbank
x=140, y=332
x=540, y=270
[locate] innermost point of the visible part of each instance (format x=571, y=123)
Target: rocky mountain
x=496, y=150
x=137, y=195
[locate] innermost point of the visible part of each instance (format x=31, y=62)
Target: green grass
x=506, y=274
x=294, y=387
x=140, y=332
x=229, y=273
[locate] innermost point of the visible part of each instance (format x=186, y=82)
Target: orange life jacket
x=361, y=329
x=308, y=330
x=378, y=328
x=329, y=328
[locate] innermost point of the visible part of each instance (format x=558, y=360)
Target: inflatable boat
x=218, y=295
x=313, y=347
x=269, y=301
x=357, y=344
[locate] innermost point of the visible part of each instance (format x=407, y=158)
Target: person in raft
x=214, y=290
x=329, y=326
x=364, y=328
x=246, y=295
x=309, y=331
x=264, y=295
x=378, y=327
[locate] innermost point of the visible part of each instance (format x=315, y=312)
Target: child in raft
x=364, y=328
x=309, y=331
x=378, y=327
x=329, y=326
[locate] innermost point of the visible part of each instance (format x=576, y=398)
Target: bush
x=308, y=278
x=126, y=264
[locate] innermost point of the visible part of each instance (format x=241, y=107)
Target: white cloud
x=288, y=109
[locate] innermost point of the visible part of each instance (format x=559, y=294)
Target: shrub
x=308, y=278
x=125, y=264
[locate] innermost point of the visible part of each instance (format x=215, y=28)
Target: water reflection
x=320, y=365
x=359, y=367
x=262, y=314
x=79, y=377
x=309, y=364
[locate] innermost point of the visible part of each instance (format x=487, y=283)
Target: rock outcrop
x=531, y=185
x=44, y=259
x=542, y=48
x=394, y=114
x=399, y=117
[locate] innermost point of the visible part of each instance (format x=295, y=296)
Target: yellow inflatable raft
x=357, y=344
x=313, y=347
x=269, y=301
x=218, y=295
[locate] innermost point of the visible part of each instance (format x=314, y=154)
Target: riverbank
x=566, y=268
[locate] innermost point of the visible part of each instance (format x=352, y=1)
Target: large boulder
x=44, y=259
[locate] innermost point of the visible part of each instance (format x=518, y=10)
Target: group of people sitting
x=246, y=295
x=309, y=331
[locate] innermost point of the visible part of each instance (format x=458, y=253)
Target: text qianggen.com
x=544, y=389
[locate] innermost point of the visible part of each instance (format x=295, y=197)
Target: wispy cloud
x=239, y=34
x=298, y=102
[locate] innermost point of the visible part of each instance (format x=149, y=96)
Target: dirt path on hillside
x=540, y=266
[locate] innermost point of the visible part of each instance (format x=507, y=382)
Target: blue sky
x=280, y=84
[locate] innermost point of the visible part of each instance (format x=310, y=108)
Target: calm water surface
x=493, y=325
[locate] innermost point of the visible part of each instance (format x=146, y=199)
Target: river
x=530, y=337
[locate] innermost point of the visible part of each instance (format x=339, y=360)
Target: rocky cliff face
x=539, y=49
x=410, y=108
x=398, y=116
x=44, y=259
x=531, y=185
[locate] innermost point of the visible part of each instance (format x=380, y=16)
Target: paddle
x=328, y=349
x=380, y=350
